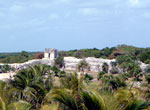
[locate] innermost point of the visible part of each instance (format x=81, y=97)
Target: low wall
x=94, y=63
x=6, y=76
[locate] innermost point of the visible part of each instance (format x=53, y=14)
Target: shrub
x=111, y=83
x=100, y=75
x=89, y=77
x=62, y=74
x=39, y=55
x=147, y=69
x=5, y=68
x=147, y=77
x=105, y=67
x=114, y=71
x=59, y=61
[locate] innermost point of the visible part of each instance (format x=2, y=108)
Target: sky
x=33, y=25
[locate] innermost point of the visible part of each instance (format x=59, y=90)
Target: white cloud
x=2, y=14
x=41, y=5
x=147, y=15
x=63, y=1
x=134, y=2
x=17, y=8
x=89, y=11
x=66, y=1
x=53, y=16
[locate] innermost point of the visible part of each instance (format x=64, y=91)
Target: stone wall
x=70, y=63
x=6, y=76
x=31, y=62
x=94, y=63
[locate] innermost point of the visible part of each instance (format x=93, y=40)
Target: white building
x=51, y=53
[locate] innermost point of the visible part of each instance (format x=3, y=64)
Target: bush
x=39, y=55
x=124, y=59
x=145, y=56
x=147, y=69
x=89, y=77
x=59, y=61
x=113, y=64
x=147, y=77
x=111, y=83
x=105, y=67
x=5, y=68
x=100, y=75
x=62, y=74
x=114, y=71
x=55, y=70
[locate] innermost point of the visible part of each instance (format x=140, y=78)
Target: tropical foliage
x=42, y=87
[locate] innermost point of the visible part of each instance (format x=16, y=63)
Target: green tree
x=88, y=78
x=105, y=67
x=100, y=75
x=82, y=66
x=32, y=84
x=111, y=83
x=144, y=56
x=59, y=61
x=147, y=77
x=91, y=100
x=124, y=60
x=130, y=100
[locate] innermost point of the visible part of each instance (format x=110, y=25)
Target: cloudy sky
x=33, y=25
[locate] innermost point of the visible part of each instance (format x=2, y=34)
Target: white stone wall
x=94, y=63
x=31, y=62
x=69, y=62
x=46, y=55
x=6, y=76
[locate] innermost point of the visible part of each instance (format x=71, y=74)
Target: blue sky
x=33, y=25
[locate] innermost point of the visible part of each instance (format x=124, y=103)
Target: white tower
x=51, y=53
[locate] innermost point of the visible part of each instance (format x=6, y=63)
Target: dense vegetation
x=142, y=54
x=42, y=87
x=17, y=57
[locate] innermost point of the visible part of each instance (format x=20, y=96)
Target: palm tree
x=65, y=97
x=105, y=67
x=50, y=107
x=6, y=99
x=82, y=66
x=74, y=82
x=91, y=100
x=130, y=100
x=33, y=84
x=20, y=105
x=74, y=96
